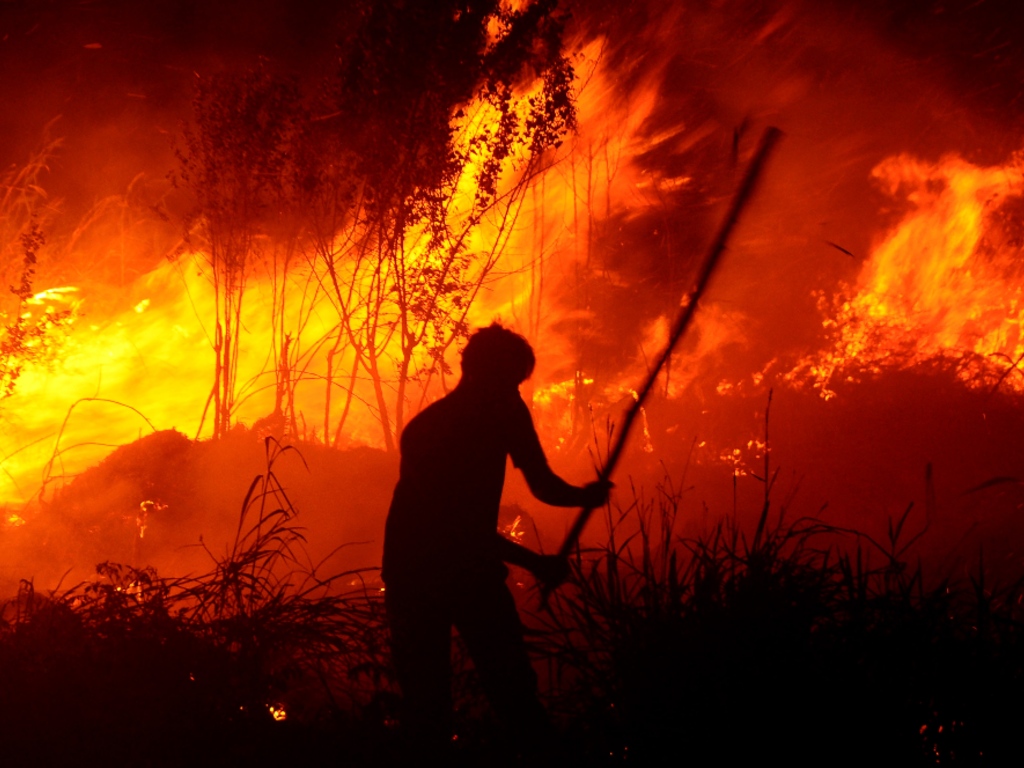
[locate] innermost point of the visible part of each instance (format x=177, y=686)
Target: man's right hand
x=596, y=493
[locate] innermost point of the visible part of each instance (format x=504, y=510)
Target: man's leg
x=488, y=622
x=420, y=625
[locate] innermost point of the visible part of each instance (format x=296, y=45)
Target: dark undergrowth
x=259, y=661
x=793, y=642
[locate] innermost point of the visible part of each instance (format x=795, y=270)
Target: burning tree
x=406, y=176
x=26, y=333
x=235, y=165
x=470, y=96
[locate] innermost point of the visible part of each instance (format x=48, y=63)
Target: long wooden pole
x=769, y=139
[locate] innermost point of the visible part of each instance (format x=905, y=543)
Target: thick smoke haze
x=672, y=98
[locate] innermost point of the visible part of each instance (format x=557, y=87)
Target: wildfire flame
x=941, y=283
x=944, y=283
x=149, y=365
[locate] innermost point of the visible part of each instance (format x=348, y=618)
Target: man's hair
x=496, y=355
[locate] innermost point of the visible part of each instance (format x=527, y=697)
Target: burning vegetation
x=248, y=241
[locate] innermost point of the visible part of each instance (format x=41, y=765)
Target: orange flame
x=943, y=284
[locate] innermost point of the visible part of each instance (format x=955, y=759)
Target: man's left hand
x=551, y=570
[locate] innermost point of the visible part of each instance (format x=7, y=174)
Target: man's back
x=444, y=513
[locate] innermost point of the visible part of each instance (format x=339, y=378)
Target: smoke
x=673, y=95
x=850, y=86
x=672, y=98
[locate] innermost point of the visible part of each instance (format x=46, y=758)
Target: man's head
x=497, y=357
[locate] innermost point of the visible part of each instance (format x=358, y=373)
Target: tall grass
x=791, y=641
x=146, y=670
x=800, y=642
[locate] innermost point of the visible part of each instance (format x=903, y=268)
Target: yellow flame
x=944, y=283
x=150, y=365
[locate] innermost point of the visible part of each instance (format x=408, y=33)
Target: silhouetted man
x=443, y=556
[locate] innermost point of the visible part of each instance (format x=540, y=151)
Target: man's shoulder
x=519, y=409
x=429, y=420
x=435, y=409
x=458, y=411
